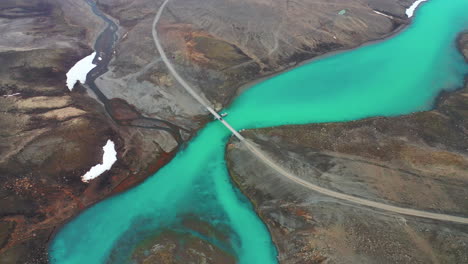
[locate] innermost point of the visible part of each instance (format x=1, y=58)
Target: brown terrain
x=175, y=247
x=162, y=249
x=416, y=161
x=49, y=136
x=218, y=46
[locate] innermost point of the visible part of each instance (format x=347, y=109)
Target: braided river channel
x=400, y=75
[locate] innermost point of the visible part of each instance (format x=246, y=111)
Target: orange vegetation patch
x=131, y=181
x=303, y=213
x=183, y=37
x=192, y=52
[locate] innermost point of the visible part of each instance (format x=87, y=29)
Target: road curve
x=401, y=210
x=180, y=79
x=168, y=62
x=268, y=161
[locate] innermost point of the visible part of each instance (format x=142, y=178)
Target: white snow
x=382, y=14
x=78, y=72
x=9, y=95
x=412, y=8
x=108, y=159
x=99, y=59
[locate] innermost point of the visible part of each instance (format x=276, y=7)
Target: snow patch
x=108, y=159
x=412, y=8
x=382, y=14
x=78, y=72
x=9, y=95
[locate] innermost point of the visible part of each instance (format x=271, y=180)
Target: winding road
x=272, y=164
x=401, y=210
x=180, y=79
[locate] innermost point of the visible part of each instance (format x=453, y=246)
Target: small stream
x=104, y=47
x=398, y=76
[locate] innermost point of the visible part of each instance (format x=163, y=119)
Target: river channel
x=400, y=75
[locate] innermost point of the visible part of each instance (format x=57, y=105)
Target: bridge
x=272, y=164
x=181, y=80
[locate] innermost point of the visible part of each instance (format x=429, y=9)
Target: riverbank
x=385, y=37
x=52, y=135
x=416, y=161
x=217, y=61
x=53, y=127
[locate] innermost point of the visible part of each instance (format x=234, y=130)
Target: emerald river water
x=400, y=75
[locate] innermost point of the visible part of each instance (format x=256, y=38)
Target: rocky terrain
x=173, y=246
x=189, y=249
x=49, y=136
x=415, y=161
x=218, y=46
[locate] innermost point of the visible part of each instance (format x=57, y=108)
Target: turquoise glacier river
x=397, y=76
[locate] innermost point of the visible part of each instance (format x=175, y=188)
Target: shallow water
x=397, y=76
